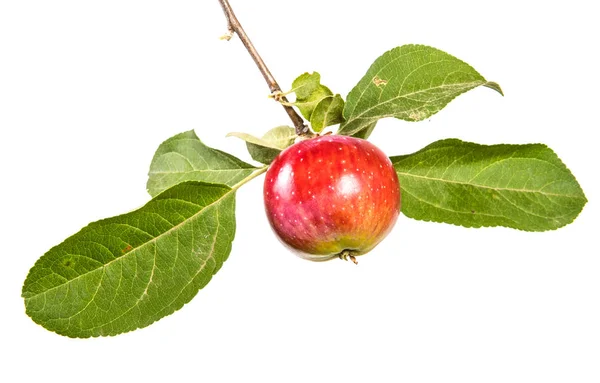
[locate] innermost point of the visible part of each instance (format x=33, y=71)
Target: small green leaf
x=523, y=187
x=411, y=82
x=126, y=272
x=185, y=158
x=327, y=112
x=309, y=92
x=265, y=149
x=306, y=84
x=365, y=132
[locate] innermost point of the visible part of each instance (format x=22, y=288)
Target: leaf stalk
x=250, y=177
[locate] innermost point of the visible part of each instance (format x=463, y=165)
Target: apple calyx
x=346, y=255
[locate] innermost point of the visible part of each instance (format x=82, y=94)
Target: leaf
x=306, y=84
x=184, y=157
x=523, y=187
x=327, y=112
x=365, y=132
x=411, y=82
x=126, y=272
x=309, y=92
x=265, y=149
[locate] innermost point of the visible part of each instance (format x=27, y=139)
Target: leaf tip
x=495, y=86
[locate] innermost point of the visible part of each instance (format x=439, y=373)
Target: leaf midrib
x=203, y=171
x=471, y=84
x=488, y=187
x=469, y=213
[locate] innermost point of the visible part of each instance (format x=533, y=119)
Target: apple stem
x=234, y=26
x=346, y=255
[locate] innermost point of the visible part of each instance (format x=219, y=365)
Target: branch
x=234, y=26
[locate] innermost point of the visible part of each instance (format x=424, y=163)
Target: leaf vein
x=488, y=187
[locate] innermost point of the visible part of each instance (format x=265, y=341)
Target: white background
x=89, y=89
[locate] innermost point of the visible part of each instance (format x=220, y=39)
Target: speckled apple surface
x=330, y=195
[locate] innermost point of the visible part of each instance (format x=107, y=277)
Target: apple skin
x=331, y=196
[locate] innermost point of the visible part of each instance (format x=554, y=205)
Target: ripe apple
x=332, y=196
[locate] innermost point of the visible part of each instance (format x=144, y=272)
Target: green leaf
x=185, y=158
x=327, y=112
x=126, y=272
x=411, y=82
x=523, y=187
x=265, y=149
x=309, y=92
x=365, y=132
x=306, y=84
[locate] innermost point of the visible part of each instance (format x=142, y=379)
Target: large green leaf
x=185, y=158
x=265, y=149
x=411, y=82
x=126, y=272
x=524, y=187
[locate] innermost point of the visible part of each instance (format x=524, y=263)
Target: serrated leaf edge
x=354, y=90
x=227, y=194
x=562, y=167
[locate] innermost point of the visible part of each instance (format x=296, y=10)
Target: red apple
x=332, y=196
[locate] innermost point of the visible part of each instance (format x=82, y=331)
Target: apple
x=332, y=196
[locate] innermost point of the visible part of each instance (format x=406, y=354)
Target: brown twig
x=234, y=26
